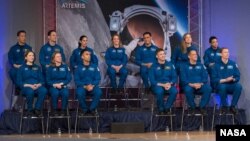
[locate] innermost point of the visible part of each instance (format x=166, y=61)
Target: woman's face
x=58, y=58
x=30, y=57
x=116, y=41
x=84, y=42
x=188, y=39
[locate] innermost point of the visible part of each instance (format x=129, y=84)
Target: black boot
x=233, y=110
x=203, y=111
x=38, y=113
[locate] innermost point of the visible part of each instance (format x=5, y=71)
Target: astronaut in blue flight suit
x=48, y=49
x=58, y=76
x=16, y=54
x=194, y=78
x=30, y=80
x=75, y=58
x=162, y=76
x=180, y=54
x=226, y=76
x=116, y=59
x=212, y=54
x=145, y=57
x=87, y=77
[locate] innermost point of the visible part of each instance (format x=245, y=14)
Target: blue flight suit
x=163, y=73
x=117, y=57
x=145, y=55
x=45, y=55
x=85, y=75
x=16, y=56
x=76, y=59
x=222, y=71
x=58, y=74
x=178, y=58
x=31, y=75
x=211, y=56
x=195, y=74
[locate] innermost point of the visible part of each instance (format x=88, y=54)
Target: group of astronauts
x=159, y=75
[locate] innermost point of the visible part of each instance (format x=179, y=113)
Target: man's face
x=225, y=54
x=22, y=38
x=193, y=55
x=147, y=39
x=52, y=37
x=86, y=56
x=214, y=43
x=161, y=56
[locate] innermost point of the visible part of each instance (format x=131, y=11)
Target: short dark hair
x=50, y=31
x=223, y=48
x=212, y=38
x=145, y=33
x=20, y=31
x=159, y=50
x=192, y=50
x=84, y=50
x=83, y=36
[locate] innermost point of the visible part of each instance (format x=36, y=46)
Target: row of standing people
x=193, y=76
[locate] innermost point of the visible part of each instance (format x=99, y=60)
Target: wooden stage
x=161, y=136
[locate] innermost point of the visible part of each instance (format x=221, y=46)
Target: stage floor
x=161, y=136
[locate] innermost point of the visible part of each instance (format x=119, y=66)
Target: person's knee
x=65, y=93
x=97, y=92
x=173, y=91
x=124, y=72
x=28, y=92
x=111, y=71
x=80, y=92
x=43, y=90
x=188, y=89
x=222, y=87
x=53, y=91
x=238, y=87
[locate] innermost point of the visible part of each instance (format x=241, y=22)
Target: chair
x=186, y=108
x=171, y=115
x=216, y=110
x=122, y=96
x=50, y=117
x=78, y=117
x=25, y=117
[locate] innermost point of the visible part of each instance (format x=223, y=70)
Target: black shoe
x=81, y=112
x=223, y=110
x=38, y=113
x=120, y=90
x=192, y=111
x=29, y=114
x=93, y=112
x=233, y=110
x=14, y=109
x=147, y=90
x=161, y=113
x=54, y=113
x=203, y=111
x=63, y=113
x=167, y=111
x=113, y=91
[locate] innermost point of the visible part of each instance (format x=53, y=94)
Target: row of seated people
x=154, y=68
